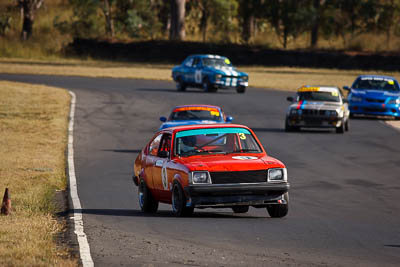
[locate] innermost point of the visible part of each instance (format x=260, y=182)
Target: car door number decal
x=164, y=177
x=197, y=76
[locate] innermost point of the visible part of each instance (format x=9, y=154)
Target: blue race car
x=209, y=72
x=194, y=114
x=374, y=95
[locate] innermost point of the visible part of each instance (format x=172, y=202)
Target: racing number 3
x=197, y=76
x=242, y=136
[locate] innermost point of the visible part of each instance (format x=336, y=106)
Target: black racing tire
x=207, y=86
x=240, y=209
x=180, y=84
x=347, y=125
x=241, y=89
x=289, y=128
x=341, y=128
x=147, y=202
x=179, y=202
x=279, y=210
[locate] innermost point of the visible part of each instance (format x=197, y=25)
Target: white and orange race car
x=318, y=107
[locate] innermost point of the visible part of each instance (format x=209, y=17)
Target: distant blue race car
x=375, y=95
x=209, y=72
x=194, y=114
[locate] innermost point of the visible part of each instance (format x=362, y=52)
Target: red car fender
x=136, y=179
x=178, y=179
x=183, y=182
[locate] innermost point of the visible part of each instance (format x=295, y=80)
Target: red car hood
x=231, y=162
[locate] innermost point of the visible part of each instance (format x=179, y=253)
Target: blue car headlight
x=218, y=76
x=245, y=78
x=394, y=101
x=355, y=99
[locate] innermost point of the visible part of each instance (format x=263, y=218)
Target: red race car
x=210, y=166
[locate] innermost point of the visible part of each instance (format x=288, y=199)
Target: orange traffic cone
x=6, y=206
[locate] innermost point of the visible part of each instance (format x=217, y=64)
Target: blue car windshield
x=376, y=83
x=216, y=62
x=195, y=114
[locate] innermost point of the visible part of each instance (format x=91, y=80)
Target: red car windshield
x=215, y=141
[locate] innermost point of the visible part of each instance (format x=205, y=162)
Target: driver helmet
x=189, y=140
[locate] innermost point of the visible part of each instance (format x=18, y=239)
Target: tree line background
x=363, y=25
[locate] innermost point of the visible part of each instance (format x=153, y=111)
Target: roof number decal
x=214, y=113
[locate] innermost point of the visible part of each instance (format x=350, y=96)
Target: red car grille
x=239, y=177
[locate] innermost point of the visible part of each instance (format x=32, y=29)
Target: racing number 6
x=197, y=76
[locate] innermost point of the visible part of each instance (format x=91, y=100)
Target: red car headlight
x=277, y=175
x=200, y=177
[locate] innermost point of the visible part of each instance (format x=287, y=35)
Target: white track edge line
x=84, y=249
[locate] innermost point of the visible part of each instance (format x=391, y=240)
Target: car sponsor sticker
x=159, y=163
x=319, y=89
x=197, y=76
x=214, y=113
x=244, y=157
x=164, y=177
x=390, y=81
x=309, y=89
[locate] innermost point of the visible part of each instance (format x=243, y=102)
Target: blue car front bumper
x=374, y=109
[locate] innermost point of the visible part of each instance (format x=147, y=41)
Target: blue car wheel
x=180, y=84
x=241, y=89
x=207, y=86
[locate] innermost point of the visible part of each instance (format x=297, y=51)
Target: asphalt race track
x=344, y=200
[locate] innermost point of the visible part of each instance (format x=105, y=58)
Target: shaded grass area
x=278, y=78
x=33, y=126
